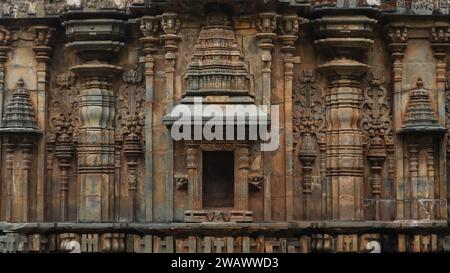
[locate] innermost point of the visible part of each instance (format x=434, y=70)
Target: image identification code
x=233, y=262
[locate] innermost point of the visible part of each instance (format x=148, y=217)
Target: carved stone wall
x=88, y=96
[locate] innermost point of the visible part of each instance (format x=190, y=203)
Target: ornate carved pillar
x=132, y=117
x=64, y=154
x=440, y=43
x=309, y=127
x=377, y=125
x=290, y=25
x=195, y=196
x=60, y=144
x=4, y=49
x=267, y=25
x=9, y=151
x=42, y=49
x=344, y=97
x=397, y=35
x=241, y=192
x=149, y=27
x=23, y=199
x=96, y=144
x=307, y=156
x=170, y=25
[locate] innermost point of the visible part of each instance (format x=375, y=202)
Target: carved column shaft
x=4, y=49
x=267, y=23
x=26, y=175
x=96, y=142
x=170, y=24
x=9, y=150
x=430, y=189
x=42, y=49
x=344, y=143
x=289, y=29
x=195, y=196
x=64, y=153
x=344, y=70
x=241, y=195
x=149, y=27
x=398, y=37
x=18, y=177
x=413, y=179
x=132, y=152
x=440, y=43
x=96, y=139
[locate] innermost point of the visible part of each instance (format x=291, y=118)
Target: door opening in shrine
x=218, y=179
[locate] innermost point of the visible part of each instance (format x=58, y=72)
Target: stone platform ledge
x=230, y=228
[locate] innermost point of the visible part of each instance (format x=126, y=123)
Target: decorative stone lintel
x=200, y=216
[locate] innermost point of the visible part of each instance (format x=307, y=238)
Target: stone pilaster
x=64, y=154
x=440, y=43
x=290, y=25
x=149, y=27
x=397, y=35
x=4, y=49
x=344, y=69
x=42, y=49
x=267, y=25
x=170, y=24
x=96, y=141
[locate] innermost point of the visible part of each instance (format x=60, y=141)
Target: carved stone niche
x=201, y=165
x=423, y=141
x=19, y=133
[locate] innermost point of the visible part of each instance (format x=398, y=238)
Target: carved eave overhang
x=190, y=114
x=95, y=32
x=420, y=117
x=324, y=9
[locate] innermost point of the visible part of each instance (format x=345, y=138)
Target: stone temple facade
x=88, y=90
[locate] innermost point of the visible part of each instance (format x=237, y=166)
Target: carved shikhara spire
x=420, y=116
x=217, y=65
x=19, y=114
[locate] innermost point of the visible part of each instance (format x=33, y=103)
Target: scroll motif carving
x=376, y=109
x=131, y=118
x=447, y=108
x=377, y=125
x=65, y=126
x=309, y=108
x=65, y=95
x=308, y=123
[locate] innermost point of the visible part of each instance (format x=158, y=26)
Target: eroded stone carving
x=376, y=123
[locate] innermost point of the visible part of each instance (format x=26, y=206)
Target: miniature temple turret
x=420, y=116
x=19, y=113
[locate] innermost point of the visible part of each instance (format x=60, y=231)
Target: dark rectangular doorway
x=218, y=179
